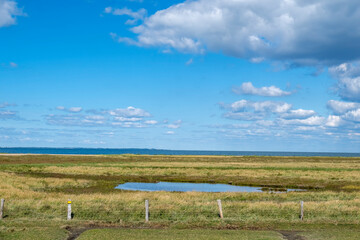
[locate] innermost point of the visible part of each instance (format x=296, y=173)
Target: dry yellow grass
x=31, y=195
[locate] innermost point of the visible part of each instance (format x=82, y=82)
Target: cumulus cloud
x=278, y=119
x=273, y=114
x=300, y=32
x=250, y=111
x=247, y=88
x=8, y=12
x=353, y=115
x=334, y=121
x=348, y=76
x=340, y=107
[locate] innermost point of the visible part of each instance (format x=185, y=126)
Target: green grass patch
x=38, y=233
x=329, y=234
x=155, y=234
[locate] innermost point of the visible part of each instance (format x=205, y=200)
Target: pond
x=197, y=187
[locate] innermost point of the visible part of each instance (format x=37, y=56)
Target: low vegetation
x=37, y=187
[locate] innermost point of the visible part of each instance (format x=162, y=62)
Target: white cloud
x=95, y=117
x=175, y=125
x=108, y=10
x=151, y=122
x=128, y=124
x=127, y=119
x=298, y=114
x=257, y=59
x=265, y=123
x=353, y=115
x=312, y=121
x=129, y=112
x=333, y=121
x=348, y=76
x=248, y=89
x=71, y=109
x=264, y=106
x=135, y=15
x=75, y=109
x=269, y=119
x=349, y=88
x=306, y=128
x=8, y=12
x=302, y=32
x=246, y=116
x=249, y=111
x=339, y=107
x=88, y=141
x=75, y=120
x=170, y=132
x=7, y=114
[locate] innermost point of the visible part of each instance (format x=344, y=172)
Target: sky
x=242, y=75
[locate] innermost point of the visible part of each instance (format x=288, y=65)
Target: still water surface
x=187, y=187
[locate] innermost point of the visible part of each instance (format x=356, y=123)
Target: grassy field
x=178, y=234
x=37, y=187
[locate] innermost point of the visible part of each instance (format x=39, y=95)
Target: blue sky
x=246, y=75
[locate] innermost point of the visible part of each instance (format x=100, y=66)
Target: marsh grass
x=294, y=172
x=37, y=187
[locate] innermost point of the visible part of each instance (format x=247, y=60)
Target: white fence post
x=220, y=208
x=146, y=210
x=302, y=210
x=2, y=208
x=69, y=210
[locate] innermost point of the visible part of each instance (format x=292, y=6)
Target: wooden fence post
x=2, y=208
x=301, y=210
x=146, y=210
x=220, y=208
x=69, y=210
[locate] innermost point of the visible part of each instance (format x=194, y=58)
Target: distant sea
x=101, y=151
